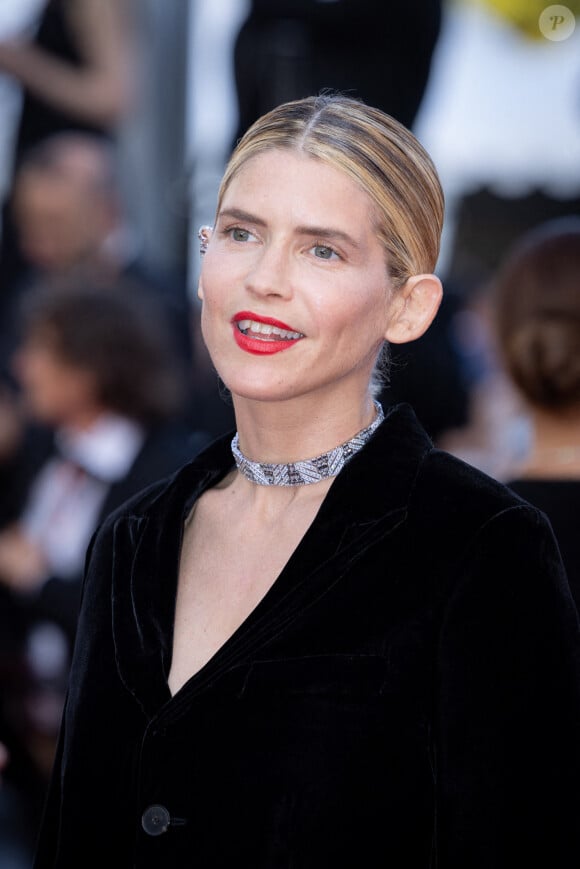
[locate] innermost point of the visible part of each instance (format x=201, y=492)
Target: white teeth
x=265, y=329
x=284, y=333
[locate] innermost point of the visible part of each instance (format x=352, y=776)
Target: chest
x=324, y=699
x=227, y=566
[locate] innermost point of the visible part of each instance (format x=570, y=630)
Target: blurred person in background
x=70, y=224
x=75, y=72
x=99, y=379
x=379, y=52
x=494, y=431
x=535, y=312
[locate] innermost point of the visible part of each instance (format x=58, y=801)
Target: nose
x=270, y=274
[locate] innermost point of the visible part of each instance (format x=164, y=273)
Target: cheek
x=360, y=317
x=376, y=307
x=203, y=322
x=213, y=282
x=216, y=291
x=210, y=318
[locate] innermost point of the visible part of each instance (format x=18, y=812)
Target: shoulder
x=490, y=556
x=463, y=516
x=401, y=468
x=167, y=495
x=455, y=486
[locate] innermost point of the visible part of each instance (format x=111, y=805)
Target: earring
x=203, y=234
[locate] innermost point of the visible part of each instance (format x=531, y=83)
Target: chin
x=254, y=382
x=260, y=392
x=267, y=389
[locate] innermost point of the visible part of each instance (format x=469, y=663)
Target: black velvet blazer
x=406, y=695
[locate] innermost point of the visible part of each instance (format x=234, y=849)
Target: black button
x=155, y=820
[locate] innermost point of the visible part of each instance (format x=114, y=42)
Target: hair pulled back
x=381, y=155
x=536, y=303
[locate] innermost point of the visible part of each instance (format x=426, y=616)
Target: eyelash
x=229, y=233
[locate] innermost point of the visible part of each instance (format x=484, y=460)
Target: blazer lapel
x=366, y=502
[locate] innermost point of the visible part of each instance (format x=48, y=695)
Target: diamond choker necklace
x=310, y=470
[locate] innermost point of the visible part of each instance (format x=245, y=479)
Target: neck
x=555, y=448
x=306, y=471
x=290, y=431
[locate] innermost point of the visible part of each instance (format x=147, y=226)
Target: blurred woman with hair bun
x=536, y=313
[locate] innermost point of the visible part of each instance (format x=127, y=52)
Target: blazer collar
x=367, y=500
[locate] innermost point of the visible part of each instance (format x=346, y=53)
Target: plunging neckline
x=251, y=602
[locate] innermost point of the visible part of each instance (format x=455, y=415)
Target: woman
x=368, y=657
x=535, y=306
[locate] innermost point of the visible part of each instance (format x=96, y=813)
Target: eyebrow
x=328, y=233
x=324, y=232
x=244, y=216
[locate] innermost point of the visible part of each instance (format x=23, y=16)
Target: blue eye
x=239, y=234
x=322, y=251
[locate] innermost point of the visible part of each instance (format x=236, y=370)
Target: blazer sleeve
x=507, y=742
x=85, y=813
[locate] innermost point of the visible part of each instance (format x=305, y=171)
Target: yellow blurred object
x=525, y=14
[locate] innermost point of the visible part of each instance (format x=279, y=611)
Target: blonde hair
x=380, y=154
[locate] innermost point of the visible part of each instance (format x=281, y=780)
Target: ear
x=199, y=290
x=413, y=308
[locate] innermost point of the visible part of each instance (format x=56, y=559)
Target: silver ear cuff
x=203, y=234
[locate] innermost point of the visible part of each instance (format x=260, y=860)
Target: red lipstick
x=261, y=344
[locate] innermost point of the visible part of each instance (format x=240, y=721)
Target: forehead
x=298, y=185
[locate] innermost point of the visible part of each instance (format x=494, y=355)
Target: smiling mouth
x=266, y=332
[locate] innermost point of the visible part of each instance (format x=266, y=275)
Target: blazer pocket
x=340, y=676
